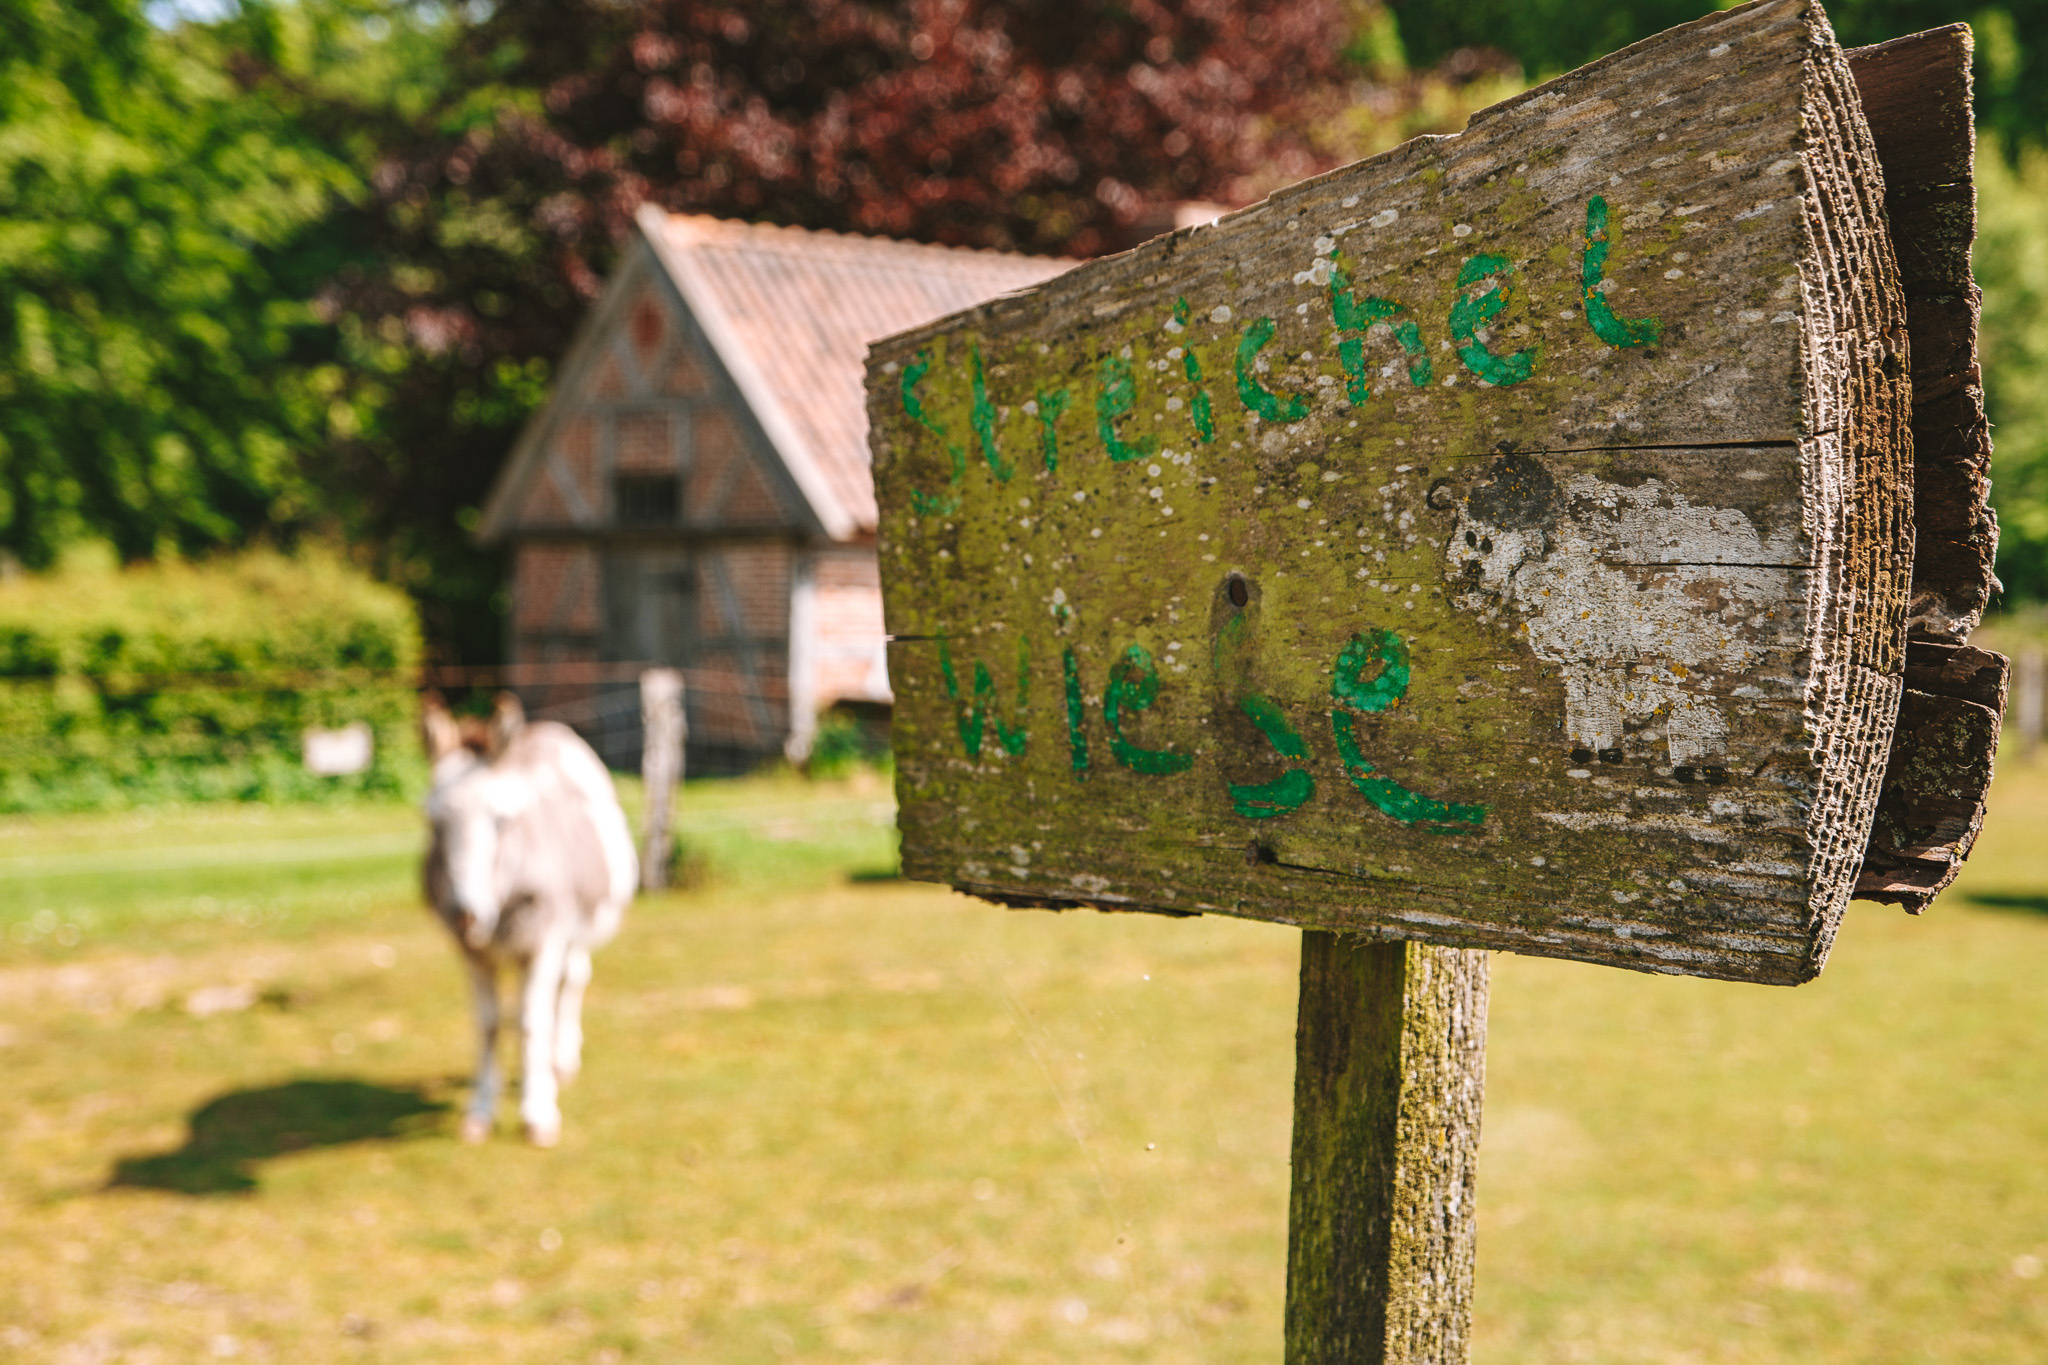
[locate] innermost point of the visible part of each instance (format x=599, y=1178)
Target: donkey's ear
x=508, y=718
x=438, y=730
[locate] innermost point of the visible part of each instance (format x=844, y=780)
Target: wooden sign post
x=1506, y=542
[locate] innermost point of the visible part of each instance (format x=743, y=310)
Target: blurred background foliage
x=2012, y=269
x=175, y=682
x=273, y=270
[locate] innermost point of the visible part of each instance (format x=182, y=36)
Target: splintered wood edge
x=1940, y=774
x=1916, y=93
x=1857, y=462
x=1917, y=98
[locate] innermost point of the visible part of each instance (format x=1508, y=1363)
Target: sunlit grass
x=839, y=1119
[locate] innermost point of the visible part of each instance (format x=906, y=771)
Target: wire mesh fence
x=116, y=738
x=735, y=719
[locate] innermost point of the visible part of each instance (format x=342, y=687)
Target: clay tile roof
x=792, y=312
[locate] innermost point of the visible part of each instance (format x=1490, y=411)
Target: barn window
x=647, y=499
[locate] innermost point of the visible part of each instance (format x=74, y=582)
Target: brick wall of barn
x=851, y=662
x=658, y=527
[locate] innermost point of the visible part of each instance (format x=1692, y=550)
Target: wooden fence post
x=1390, y=1072
x=661, y=768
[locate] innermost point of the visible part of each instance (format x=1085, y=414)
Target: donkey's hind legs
x=540, y=992
x=483, y=1101
x=569, y=1014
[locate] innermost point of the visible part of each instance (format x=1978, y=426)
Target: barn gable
x=791, y=313
x=696, y=491
x=645, y=430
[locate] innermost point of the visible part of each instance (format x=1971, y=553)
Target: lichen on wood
x=1501, y=542
x=1389, y=1077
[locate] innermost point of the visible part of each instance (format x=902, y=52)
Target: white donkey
x=531, y=865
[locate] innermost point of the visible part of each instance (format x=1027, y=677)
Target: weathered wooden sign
x=1501, y=542
x=1505, y=542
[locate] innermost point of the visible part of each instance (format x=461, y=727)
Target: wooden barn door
x=721, y=613
x=649, y=607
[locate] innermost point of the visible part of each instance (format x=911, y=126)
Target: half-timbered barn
x=696, y=491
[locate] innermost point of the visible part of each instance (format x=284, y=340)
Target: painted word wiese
x=1486, y=282
x=1467, y=527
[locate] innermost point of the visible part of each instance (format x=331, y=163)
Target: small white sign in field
x=339, y=753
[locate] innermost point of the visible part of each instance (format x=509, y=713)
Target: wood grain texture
x=1502, y=542
x=1939, y=776
x=1390, y=1072
x=1916, y=96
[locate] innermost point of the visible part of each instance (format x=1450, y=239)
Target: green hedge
x=179, y=682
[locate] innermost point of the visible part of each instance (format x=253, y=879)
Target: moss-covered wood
x=1390, y=1071
x=1500, y=542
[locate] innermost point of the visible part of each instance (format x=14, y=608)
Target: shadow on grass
x=2033, y=905
x=232, y=1134
x=862, y=876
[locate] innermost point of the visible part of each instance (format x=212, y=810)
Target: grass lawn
x=832, y=1117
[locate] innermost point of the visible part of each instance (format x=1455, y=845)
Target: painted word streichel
x=1494, y=542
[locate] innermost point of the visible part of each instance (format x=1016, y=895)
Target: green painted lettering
x=1468, y=315
x=1118, y=395
x=982, y=709
x=1386, y=688
x=1353, y=314
x=1198, y=407
x=1351, y=689
x=1255, y=395
x=1615, y=331
x=1133, y=686
x=1191, y=365
x=1273, y=725
x=1290, y=791
x=1351, y=355
x=982, y=417
x=1293, y=788
x=945, y=503
x=1077, y=737
x=1051, y=407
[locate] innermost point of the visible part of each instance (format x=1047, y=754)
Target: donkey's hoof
x=475, y=1128
x=544, y=1134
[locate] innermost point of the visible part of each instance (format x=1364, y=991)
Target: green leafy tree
x=1033, y=125
x=156, y=323
x=1550, y=36
x=2012, y=269
x=400, y=387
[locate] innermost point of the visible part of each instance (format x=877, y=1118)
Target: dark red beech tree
x=1057, y=126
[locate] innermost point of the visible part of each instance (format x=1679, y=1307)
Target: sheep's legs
x=483, y=1100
